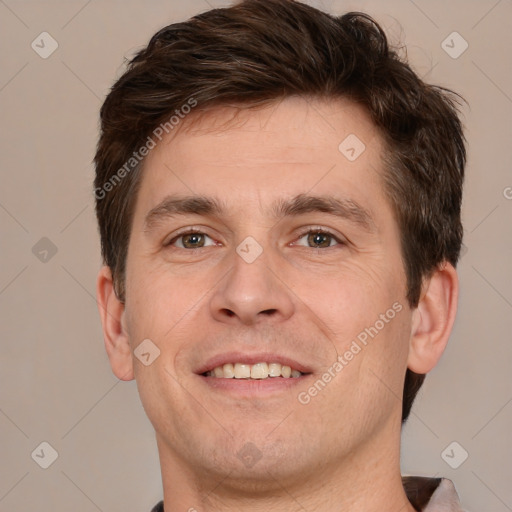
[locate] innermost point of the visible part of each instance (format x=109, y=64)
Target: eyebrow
x=298, y=205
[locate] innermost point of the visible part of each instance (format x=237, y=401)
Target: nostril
x=268, y=312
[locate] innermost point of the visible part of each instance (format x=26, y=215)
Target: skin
x=340, y=451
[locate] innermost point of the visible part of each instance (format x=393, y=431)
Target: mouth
x=252, y=375
x=258, y=371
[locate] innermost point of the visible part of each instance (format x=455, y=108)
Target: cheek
x=165, y=308
x=156, y=300
x=382, y=361
x=372, y=361
x=352, y=298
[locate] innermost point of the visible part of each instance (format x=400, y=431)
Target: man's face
x=269, y=277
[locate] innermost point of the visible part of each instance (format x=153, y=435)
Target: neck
x=368, y=480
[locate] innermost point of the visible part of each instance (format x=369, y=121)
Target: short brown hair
x=261, y=51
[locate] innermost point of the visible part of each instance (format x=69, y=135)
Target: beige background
x=56, y=383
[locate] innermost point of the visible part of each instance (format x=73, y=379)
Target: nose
x=252, y=293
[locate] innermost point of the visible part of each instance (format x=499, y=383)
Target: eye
x=318, y=239
x=191, y=240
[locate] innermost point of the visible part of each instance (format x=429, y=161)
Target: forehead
x=286, y=148
x=297, y=128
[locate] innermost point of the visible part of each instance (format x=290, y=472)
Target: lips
x=245, y=364
x=259, y=371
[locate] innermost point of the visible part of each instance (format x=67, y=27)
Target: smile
x=256, y=371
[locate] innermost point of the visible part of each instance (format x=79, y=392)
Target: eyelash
x=308, y=231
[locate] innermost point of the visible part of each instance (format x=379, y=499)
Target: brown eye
x=191, y=240
x=319, y=239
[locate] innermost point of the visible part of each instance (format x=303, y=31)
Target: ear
x=433, y=319
x=114, y=330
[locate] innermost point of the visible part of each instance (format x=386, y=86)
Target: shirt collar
x=431, y=494
x=425, y=494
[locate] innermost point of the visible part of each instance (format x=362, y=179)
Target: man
x=279, y=198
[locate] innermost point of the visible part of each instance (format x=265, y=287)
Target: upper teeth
x=253, y=371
